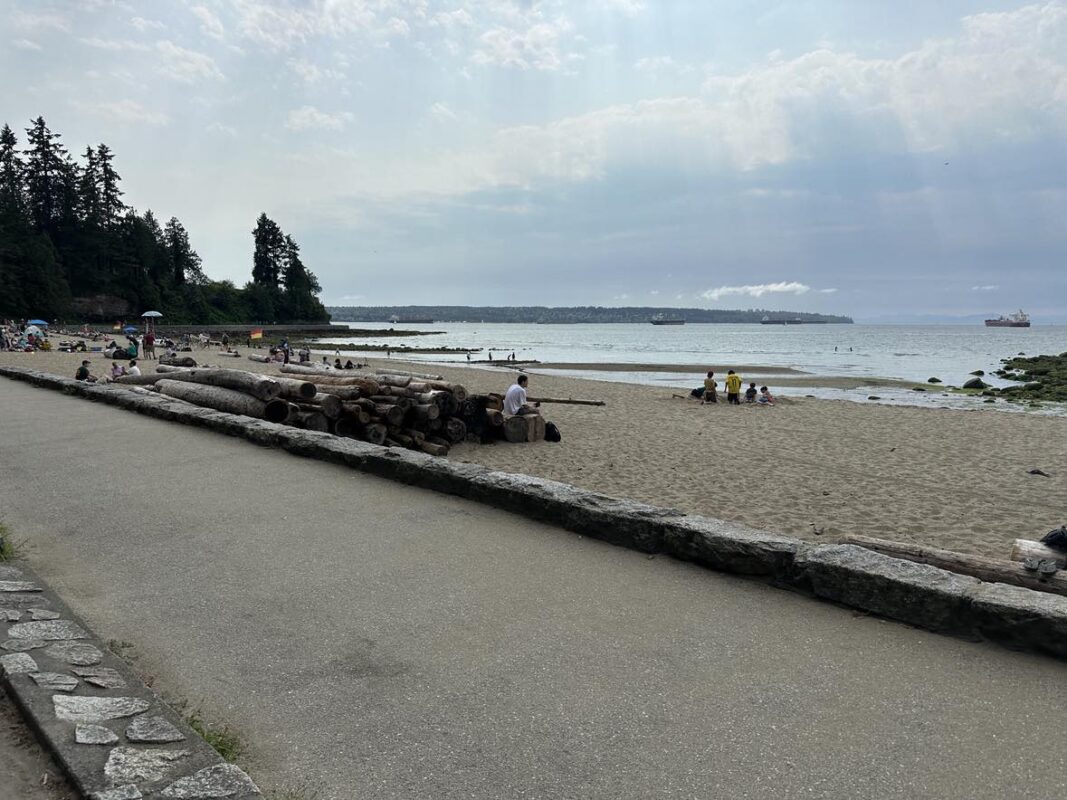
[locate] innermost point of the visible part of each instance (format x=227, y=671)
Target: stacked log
x=423, y=413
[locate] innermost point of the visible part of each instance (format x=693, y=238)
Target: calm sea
x=908, y=352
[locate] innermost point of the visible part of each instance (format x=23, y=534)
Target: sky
x=871, y=158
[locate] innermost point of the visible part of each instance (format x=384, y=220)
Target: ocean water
x=906, y=352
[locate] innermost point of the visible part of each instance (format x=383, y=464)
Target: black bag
x=552, y=433
x=1056, y=539
x=697, y=392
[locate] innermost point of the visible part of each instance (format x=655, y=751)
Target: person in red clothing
x=149, y=345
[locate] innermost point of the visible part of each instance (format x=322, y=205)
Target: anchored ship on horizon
x=1017, y=320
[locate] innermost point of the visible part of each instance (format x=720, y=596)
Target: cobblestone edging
x=916, y=594
x=114, y=738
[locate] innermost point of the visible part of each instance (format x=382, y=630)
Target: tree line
x=71, y=249
x=574, y=314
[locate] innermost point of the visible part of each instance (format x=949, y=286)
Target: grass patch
x=292, y=793
x=225, y=742
x=10, y=549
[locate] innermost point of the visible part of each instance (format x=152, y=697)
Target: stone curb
x=112, y=735
x=916, y=594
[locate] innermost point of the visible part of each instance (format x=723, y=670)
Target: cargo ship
x=659, y=319
x=1016, y=320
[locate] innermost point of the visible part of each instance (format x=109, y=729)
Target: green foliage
x=226, y=743
x=65, y=234
x=10, y=550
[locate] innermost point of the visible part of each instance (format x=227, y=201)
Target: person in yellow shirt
x=733, y=388
x=711, y=390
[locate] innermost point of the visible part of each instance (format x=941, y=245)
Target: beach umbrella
x=151, y=314
x=37, y=322
x=32, y=329
x=129, y=329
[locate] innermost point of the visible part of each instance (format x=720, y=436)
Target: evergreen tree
x=111, y=206
x=89, y=189
x=12, y=196
x=46, y=172
x=184, y=261
x=269, y=253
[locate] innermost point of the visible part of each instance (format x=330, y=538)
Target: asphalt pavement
x=373, y=640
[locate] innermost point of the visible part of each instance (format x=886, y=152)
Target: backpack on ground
x=552, y=433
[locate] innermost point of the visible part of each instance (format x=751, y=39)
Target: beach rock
x=975, y=383
x=56, y=681
x=41, y=614
x=917, y=594
x=127, y=792
x=17, y=664
x=18, y=586
x=933, y=380
x=77, y=653
x=134, y=764
x=155, y=730
x=221, y=780
x=52, y=630
x=9, y=573
x=10, y=615
x=104, y=677
x=1021, y=618
x=94, y=734
x=1042, y=473
x=22, y=645
x=978, y=372
x=873, y=397
x=918, y=388
x=97, y=709
x=990, y=400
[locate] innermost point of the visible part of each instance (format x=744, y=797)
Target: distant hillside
x=545, y=314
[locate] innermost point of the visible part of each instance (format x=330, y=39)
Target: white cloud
x=114, y=44
x=25, y=44
x=758, y=290
x=656, y=65
x=142, y=24
x=308, y=117
x=313, y=73
x=225, y=130
x=989, y=287
x=124, y=111
x=442, y=112
x=45, y=19
x=536, y=46
x=186, y=66
x=630, y=8
x=209, y=21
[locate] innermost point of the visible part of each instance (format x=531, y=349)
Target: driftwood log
x=310, y=420
x=224, y=399
x=259, y=386
x=1022, y=549
x=568, y=401
x=986, y=569
x=295, y=389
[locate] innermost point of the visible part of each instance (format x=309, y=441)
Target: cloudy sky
x=867, y=158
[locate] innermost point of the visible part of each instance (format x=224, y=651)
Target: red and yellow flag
x=257, y=333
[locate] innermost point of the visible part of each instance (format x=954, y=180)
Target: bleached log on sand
x=223, y=399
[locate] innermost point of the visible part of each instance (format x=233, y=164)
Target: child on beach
x=733, y=388
x=750, y=393
x=710, y=390
x=765, y=398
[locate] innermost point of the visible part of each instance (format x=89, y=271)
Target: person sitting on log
x=515, y=398
x=133, y=368
x=117, y=370
x=83, y=373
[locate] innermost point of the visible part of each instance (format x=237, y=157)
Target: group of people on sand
x=22, y=337
x=709, y=392
x=117, y=370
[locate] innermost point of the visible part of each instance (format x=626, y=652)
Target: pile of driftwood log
x=418, y=412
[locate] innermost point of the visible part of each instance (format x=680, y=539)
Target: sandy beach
x=809, y=468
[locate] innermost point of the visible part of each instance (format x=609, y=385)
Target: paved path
x=381, y=641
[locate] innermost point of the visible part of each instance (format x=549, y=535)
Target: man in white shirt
x=133, y=369
x=515, y=399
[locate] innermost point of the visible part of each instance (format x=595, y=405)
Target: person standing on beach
x=711, y=390
x=733, y=388
x=515, y=399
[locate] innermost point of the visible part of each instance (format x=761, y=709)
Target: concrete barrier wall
x=916, y=594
